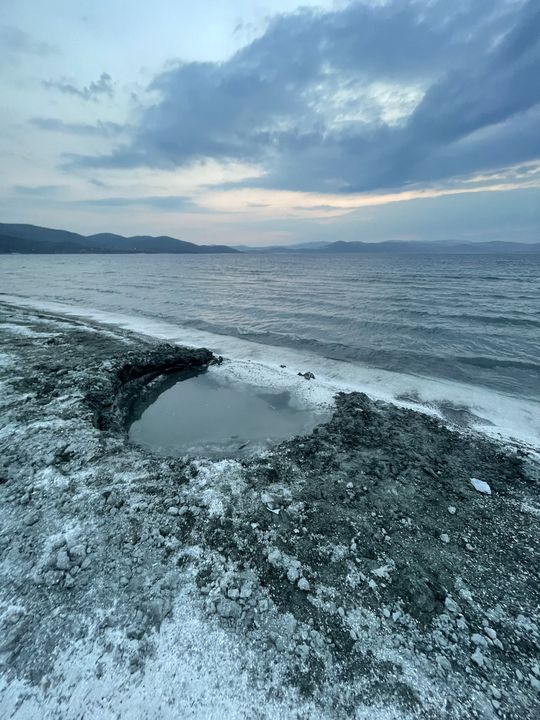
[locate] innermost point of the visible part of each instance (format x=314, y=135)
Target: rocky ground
x=355, y=572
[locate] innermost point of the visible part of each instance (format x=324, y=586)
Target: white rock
x=481, y=486
x=445, y=538
x=293, y=574
x=303, y=584
x=478, y=658
x=451, y=510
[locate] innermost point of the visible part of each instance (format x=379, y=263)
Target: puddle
x=208, y=415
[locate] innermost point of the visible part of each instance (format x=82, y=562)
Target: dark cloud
x=371, y=96
x=15, y=41
x=93, y=91
x=98, y=129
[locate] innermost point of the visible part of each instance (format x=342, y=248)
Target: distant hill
x=400, y=247
x=451, y=246
x=36, y=240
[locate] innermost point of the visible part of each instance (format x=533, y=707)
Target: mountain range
x=37, y=240
x=17, y=238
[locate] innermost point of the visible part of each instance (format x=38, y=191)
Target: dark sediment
x=359, y=559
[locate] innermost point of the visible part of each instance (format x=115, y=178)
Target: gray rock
x=478, y=658
x=451, y=605
x=228, y=609
x=62, y=560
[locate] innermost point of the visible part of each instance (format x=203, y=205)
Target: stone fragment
x=62, y=560
x=478, y=658
x=303, y=584
x=481, y=486
x=228, y=609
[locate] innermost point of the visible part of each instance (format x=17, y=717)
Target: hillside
x=15, y=238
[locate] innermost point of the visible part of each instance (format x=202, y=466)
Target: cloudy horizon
x=273, y=122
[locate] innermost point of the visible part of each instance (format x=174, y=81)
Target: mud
x=358, y=565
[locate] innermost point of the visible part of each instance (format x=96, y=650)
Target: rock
x=172, y=511
x=274, y=556
x=478, y=658
x=307, y=375
x=479, y=640
x=293, y=574
x=445, y=538
x=245, y=591
x=303, y=584
x=452, y=510
x=228, y=609
x=481, y=486
x=62, y=560
x=451, y=605
x=443, y=663
x=32, y=518
x=491, y=633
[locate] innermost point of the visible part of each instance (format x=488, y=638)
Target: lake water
x=444, y=329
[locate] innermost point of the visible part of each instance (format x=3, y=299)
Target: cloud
x=368, y=97
x=15, y=41
x=167, y=203
x=38, y=190
x=99, y=129
x=93, y=91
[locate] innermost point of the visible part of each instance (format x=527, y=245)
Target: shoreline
x=331, y=568
x=504, y=417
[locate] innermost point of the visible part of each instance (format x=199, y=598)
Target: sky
x=269, y=122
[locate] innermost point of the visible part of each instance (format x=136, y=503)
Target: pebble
x=293, y=574
x=479, y=640
x=172, y=510
x=443, y=663
x=445, y=538
x=481, y=486
x=478, y=658
x=452, y=510
x=228, y=609
x=245, y=591
x=303, y=584
x=62, y=560
x=451, y=605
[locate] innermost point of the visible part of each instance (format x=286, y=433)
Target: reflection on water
x=205, y=415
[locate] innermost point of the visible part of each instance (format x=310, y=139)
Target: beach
x=363, y=570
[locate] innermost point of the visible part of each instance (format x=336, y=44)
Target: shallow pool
x=211, y=416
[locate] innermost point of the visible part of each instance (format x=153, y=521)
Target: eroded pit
x=206, y=414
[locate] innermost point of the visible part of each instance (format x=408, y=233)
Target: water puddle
x=209, y=415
